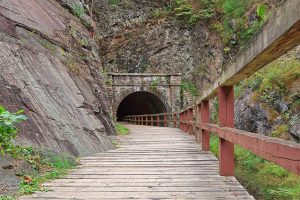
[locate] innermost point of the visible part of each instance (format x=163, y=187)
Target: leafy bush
x=8, y=129
x=261, y=11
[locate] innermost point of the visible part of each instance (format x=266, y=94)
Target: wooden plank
x=147, y=168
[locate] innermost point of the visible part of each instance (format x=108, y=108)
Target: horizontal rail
x=283, y=153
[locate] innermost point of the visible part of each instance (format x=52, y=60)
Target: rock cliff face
x=134, y=40
x=50, y=68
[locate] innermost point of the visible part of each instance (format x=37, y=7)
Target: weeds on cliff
x=239, y=20
x=48, y=45
x=78, y=10
x=190, y=87
x=154, y=84
x=263, y=179
x=121, y=129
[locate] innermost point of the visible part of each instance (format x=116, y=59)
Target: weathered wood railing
x=279, y=35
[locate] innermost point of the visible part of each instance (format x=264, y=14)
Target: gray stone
x=58, y=93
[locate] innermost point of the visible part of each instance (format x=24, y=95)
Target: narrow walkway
x=151, y=163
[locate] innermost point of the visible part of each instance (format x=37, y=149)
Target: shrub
x=122, y=130
x=78, y=10
x=8, y=129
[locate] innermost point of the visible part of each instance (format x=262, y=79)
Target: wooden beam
x=284, y=153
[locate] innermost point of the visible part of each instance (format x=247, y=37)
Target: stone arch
x=156, y=101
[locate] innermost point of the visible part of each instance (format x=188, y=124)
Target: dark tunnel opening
x=139, y=103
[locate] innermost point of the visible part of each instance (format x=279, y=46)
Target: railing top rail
x=149, y=115
x=144, y=74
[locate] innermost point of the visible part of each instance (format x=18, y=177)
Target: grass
x=122, y=130
x=54, y=167
x=263, y=179
x=59, y=167
x=279, y=75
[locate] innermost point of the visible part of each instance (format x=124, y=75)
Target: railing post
x=180, y=118
x=205, y=119
x=182, y=121
x=226, y=118
x=190, y=119
x=158, y=120
x=185, y=120
x=147, y=120
x=165, y=120
x=174, y=120
x=152, y=120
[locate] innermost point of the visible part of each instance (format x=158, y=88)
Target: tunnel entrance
x=139, y=103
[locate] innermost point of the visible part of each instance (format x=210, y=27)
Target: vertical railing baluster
x=174, y=120
x=151, y=118
x=205, y=119
x=226, y=118
x=165, y=120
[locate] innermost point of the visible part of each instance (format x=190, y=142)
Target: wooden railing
x=195, y=121
x=278, y=36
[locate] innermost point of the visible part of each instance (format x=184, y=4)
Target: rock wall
x=50, y=68
x=134, y=40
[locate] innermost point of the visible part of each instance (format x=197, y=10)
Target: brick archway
x=166, y=87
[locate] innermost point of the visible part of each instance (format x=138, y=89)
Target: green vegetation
x=278, y=76
x=115, y=143
x=238, y=23
x=58, y=167
x=54, y=166
x=121, y=129
x=190, y=87
x=154, y=84
x=265, y=180
x=113, y=2
x=48, y=45
x=235, y=20
x=276, y=83
x=78, y=10
x=186, y=11
x=280, y=131
x=8, y=129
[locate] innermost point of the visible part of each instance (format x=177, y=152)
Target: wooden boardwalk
x=151, y=163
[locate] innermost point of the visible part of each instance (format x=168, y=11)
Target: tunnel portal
x=139, y=103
